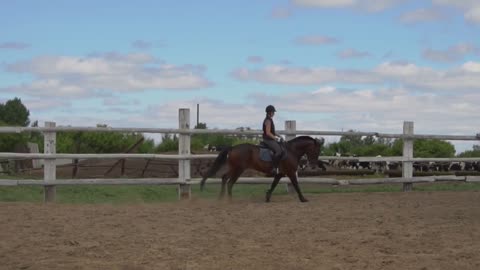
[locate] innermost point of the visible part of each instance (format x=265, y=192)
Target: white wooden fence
x=184, y=180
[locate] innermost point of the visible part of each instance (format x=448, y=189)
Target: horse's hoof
x=303, y=200
x=267, y=197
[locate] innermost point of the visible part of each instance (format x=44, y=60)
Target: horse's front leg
x=272, y=187
x=294, y=180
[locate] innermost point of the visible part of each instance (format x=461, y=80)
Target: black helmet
x=270, y=108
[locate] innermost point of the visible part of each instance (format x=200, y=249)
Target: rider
x=270, y=137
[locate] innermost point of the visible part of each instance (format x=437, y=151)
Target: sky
x=332, y=65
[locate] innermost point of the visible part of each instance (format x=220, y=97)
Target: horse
x=247, y=156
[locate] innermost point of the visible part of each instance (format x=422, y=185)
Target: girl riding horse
x=247, y=156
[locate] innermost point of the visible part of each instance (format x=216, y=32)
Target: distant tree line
x=14, y=113
x=350, y=145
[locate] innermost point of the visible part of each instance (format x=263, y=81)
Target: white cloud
x=215, y=112
x=470, y=8
x=451, y=54
x=422, y=15
x=255, y=59
x=473, y=15
x=142, y=44
x=404, y=74
x=399, y=69
x=118, y=101
x=324, y=90
x=84, y=76
x=281, y=12
x=147, y=45
x=382, y=110
x=352, y=53
x=366, y=5
x=379, y=5
x=12, y=45
x=471, y=67
x=316, y=40
x=39, y=105
x=326, y=3
x=48, y=88
x=280, y=74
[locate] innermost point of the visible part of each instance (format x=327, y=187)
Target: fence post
x=290, y=126
x=407, y=166
x=184, y=190
x=49, y=165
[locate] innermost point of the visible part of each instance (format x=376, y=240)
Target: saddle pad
x=267, y=154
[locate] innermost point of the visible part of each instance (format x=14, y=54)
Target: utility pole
x=198, y=114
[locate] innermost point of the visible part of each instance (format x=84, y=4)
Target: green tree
x=369, y=140
x=371, y=146
x=374, y=149
x=359, y=145
x=427, y=148
x=169, y=143
x=198, y=141
x=14, y=113
x=9, y=141
x=475, y=152
x=100, y=142
x=351, y=140
x=148, y=146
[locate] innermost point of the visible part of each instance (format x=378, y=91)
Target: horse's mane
x=301, y=138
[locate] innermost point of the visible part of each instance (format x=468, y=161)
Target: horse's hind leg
x=272, y=187
x=224, y=183
x=233, y=178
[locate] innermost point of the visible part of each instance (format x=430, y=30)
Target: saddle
x=266, y=154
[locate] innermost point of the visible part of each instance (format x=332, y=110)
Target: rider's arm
x=268, y=131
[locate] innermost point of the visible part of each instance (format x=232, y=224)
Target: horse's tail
x=217, y=164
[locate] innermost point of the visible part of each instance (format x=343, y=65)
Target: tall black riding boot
x=275, y=162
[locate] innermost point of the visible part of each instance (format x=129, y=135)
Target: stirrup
x=275, y=171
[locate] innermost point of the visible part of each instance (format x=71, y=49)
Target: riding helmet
x=270, y=108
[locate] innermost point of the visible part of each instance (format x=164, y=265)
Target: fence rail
x=184, y=131
x=211, y=156
x=244, y=180
x=184, y=157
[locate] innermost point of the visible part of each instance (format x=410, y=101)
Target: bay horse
x=247, y=156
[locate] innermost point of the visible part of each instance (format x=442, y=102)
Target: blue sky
x=331, y=65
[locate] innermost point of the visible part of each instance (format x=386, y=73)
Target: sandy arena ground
x=417, y=230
